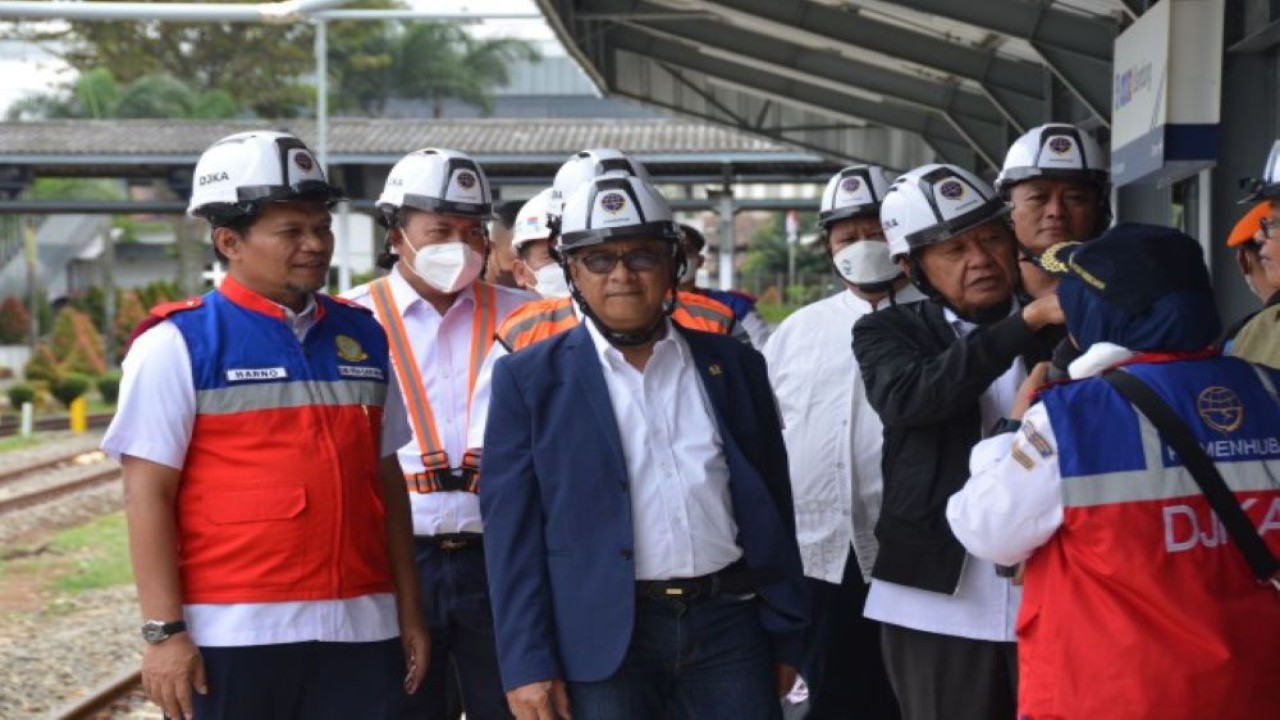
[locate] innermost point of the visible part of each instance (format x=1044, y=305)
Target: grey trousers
x=941, y=677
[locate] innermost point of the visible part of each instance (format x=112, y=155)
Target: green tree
x=768, y=249
x=261, y=66
x=439, y=60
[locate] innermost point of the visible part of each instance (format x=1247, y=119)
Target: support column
x=725, y=208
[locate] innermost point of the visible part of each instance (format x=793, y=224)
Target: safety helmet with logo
x=1054, y=151
x=614, y=207
x=436, y=180
x=531, y=221
x=240, y=173
x=1266, y=187
x=587, y=165
x=935, y=203
x=853, y=192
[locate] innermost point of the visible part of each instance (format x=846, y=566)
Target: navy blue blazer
x=557, y=514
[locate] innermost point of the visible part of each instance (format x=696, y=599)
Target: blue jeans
x=303, y=681
x=455, y=604
x=688, y=661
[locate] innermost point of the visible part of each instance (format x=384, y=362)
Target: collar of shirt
x=908, y=294
x=964, y=327
x=407, y=298
x=302, y=321
x=612, y=358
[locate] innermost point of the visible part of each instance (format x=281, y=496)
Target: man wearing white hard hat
x=1056, y=181
x=833, y=447
x=257, y=429
x=535, y=267
x=641, y=545
x=942, y=374
x=440, y=319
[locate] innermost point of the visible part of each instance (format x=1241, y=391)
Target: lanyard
x=483, y=321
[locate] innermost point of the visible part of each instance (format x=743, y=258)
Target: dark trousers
x=843, y=666
x=455, y=603
x=940, y=677
x=688, y=661
x=303, y=681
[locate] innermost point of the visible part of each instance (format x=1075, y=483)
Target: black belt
x=452, y=541
x=735, y=579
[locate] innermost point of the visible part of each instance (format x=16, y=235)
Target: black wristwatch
x=157, y=631
x=1005, y=425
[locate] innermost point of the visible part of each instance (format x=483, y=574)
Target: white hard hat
x=615, y=206
x=1268, y=186
x=934, y=203
x=854, y=191
x=436, y=180
x=531, y=221
x=242, y=171
x=587, y=165
x=1055, y=150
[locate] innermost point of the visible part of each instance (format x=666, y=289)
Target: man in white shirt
x=440, y=320
x=639, y=530
x=833, y=441
x=257, y=429
x=940, y=374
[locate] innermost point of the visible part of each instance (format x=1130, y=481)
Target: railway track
x=9, y=425
x=53, y=478
x=102, y=700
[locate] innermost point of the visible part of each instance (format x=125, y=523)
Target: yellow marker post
x=79, y=415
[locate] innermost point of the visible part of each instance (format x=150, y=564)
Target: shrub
x=69, y=387
x=76, y=344
x=21, y=393
x=15, y=321
x=109, y=387
x=42, y=365
x=130, y=313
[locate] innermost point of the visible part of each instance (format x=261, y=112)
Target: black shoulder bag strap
x=1265, y=566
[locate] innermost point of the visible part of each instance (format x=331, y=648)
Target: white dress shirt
x=985, y=605
x=442, y=348
x=682, y=514
x=153, y=421
x=833, y=435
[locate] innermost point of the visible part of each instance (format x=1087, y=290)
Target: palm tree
x=438, y=61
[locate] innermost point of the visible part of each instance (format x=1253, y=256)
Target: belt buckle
x=452, y=544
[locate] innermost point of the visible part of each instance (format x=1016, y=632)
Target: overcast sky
x=25, y=68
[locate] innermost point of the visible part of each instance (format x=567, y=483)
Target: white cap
x=854, y=191
x=1055, y=150
x=587, y=165
x=241, y=171
x=615, y=206
x=531, y=221
x=934, y=203
x=1268, y=186
x=437, y=180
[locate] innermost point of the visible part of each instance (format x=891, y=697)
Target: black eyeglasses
x=638, y=260
x=1270, y=228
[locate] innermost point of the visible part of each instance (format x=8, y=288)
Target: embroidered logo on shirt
x=1038, y=441
x=1220, y=408
x=243, y=374
x=715, y=369
x=360, y=371
x=1022, y=458
x=349, y=349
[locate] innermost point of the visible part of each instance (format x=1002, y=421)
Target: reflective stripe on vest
x=536, y=321
x=483, y=320
x=696, y=312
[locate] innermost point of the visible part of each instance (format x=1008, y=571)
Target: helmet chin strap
x=615, y=337
x=983, y=316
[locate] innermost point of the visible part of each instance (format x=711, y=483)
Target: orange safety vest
x=435, y=460
x=541, y=319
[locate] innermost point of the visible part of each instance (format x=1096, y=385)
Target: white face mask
x=866, y=262
x=551, y=282
x=690, y=271
x=449, y=267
